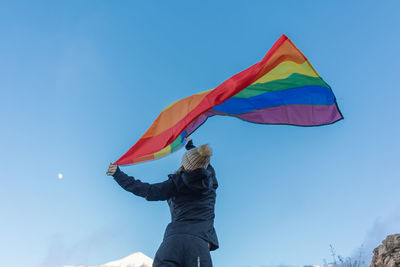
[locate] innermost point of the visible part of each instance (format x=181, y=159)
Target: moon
x=60, y=176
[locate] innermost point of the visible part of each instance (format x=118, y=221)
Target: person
x=191, y=194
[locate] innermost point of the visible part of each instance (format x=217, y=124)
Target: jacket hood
x=197, y=181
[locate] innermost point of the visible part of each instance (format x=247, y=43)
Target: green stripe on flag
x=293, y=81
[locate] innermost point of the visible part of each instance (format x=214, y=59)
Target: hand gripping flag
x=283, y=88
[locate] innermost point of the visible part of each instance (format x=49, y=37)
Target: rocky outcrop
x=387, y=254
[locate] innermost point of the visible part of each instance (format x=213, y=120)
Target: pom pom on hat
x=197, y=158
x=204, y=150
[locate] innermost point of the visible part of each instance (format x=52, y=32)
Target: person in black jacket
x=191, y=194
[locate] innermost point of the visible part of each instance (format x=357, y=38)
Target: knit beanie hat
x=197, y=158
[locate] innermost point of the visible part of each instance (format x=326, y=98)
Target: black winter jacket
x=191, y=198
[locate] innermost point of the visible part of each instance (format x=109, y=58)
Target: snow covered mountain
x=137, y=259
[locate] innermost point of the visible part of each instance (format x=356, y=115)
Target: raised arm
x=151, y=192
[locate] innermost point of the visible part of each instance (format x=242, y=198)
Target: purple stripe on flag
x=303, y=115
x=199, y=121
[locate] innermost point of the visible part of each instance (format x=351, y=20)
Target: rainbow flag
x=283, y=88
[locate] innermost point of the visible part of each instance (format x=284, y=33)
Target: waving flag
x=283, y=88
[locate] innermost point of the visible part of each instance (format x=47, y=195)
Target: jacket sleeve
x=151, y=192
x=190, y=145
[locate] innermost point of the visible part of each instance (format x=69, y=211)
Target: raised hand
x=111, y=169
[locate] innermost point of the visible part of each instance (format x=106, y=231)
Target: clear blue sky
x=81, y=81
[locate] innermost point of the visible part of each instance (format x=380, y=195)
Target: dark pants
x=183, y=251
